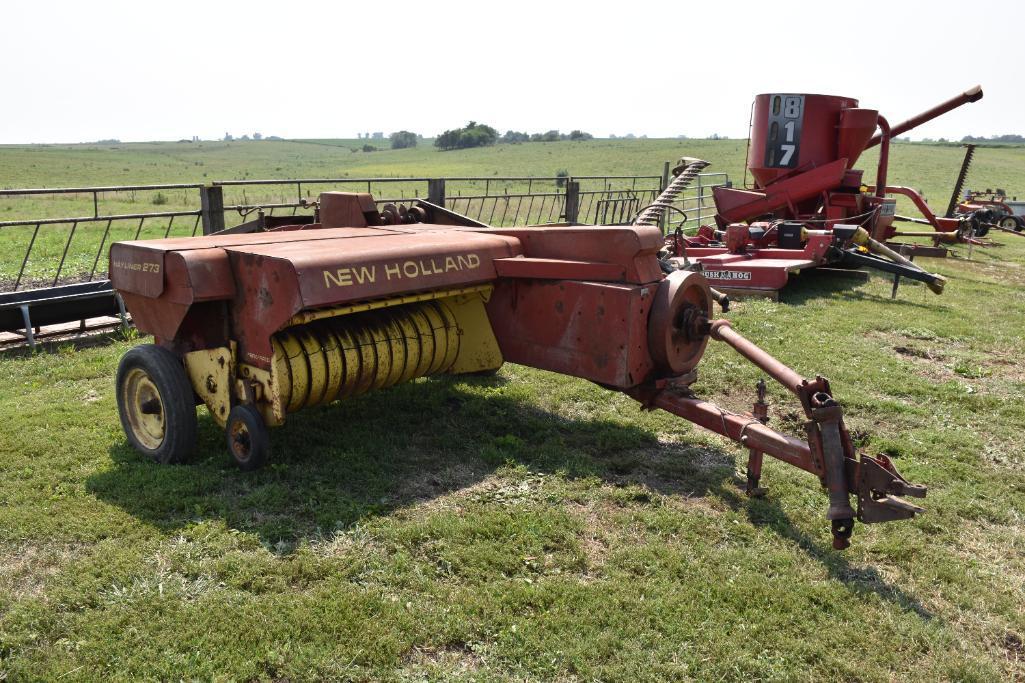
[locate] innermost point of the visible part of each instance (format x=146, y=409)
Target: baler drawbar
x=260, y=325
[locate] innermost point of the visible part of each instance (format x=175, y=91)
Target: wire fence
x=62, y=235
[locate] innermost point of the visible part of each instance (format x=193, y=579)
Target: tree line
x=476, y=134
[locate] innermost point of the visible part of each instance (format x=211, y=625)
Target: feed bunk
x=257, y=326
x=809, y=206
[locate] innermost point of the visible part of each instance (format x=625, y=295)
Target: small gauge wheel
x=248, y=438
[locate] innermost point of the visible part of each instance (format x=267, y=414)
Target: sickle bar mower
x=257, y=326
x=809, y=206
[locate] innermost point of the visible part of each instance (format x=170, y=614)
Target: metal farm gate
x=53, y=261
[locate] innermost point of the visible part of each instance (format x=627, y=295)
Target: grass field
x=531, y=526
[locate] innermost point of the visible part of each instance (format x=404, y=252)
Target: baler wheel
x=156, y=404
x=248, y=439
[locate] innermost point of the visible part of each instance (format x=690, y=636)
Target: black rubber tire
x=1021, y=223
x=177, y=408
x=248, y=438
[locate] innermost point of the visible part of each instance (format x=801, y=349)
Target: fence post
x=572, y=201
x=436, y=191
x=211, y=204
x=664, y=220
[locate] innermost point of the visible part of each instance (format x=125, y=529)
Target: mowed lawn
x=531, y=526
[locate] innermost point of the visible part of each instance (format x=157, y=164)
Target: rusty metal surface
x=632, y=247
x=279, y=280
x=319, y=313
x=680, y=309
x=596, y=331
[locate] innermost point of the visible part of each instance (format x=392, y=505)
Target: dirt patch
x=1012, y=642
x=594, y=538
x=930, y=357
x=454, y=658
x=25, y=568
x=918, y=353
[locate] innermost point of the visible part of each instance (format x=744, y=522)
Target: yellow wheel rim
x=144, y=408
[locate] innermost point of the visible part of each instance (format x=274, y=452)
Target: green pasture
x=529, y=526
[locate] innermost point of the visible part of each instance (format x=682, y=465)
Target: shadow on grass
x=764, y=512
x=336, y=466
x=813, y=284
x=333, y=466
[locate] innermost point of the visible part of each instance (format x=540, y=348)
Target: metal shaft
x=722, y=331
x=971, y=95
x=862, y=237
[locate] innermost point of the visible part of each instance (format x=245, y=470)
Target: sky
x=84, y=71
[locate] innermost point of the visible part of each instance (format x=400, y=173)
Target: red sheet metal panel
x=597, y=331
x=278, y=280
x=800, y=128
x=559, y=269
x=160, y=286
x=632, y=247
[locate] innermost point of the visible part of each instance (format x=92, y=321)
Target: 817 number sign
x=786, y=112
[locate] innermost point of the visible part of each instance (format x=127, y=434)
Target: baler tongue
x=828, y=452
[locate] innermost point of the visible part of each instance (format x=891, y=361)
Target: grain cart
x=259, y=326
x=809, y=206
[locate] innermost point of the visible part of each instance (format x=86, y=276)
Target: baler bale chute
x=809, y=207
x=258, y=326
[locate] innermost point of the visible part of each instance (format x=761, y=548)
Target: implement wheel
x=156, y=404
x=1009, y=223
x=248, y=440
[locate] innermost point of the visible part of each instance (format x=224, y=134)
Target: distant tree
x=513, y=137
x=472, y=135
x=244, y=137
x=257, y=136
x=369, y=148
x=379, y=136
x=560, y=177
x=994, y=138
x=228, y=137
x=550, y=136
x=580, y=135
x=403, y=139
